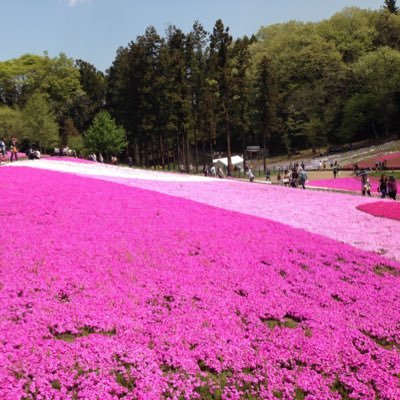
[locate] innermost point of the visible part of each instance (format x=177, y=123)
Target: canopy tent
x=224, y=161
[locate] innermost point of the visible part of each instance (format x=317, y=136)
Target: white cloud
x=73, y=3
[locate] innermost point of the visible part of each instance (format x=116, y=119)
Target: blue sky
x=94, y=29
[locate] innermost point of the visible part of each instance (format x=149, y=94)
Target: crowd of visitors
x=295, y=177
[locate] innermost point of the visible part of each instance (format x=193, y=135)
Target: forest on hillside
x=180, y=96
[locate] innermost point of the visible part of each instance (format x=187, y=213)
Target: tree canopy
x=182, y=97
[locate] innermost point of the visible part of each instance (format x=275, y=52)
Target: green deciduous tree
x=10, y=123
x=39, y=122
x=104, y=136
x=375, y=104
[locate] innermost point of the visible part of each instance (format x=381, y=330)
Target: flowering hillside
x=111, y=291
x=392, y=161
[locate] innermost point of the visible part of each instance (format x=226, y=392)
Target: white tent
x=224, y=161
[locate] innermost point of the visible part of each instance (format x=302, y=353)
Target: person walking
x=365, y=186
x=392, y=187
x=335, y=171
x=267, y=174
x=303, y=178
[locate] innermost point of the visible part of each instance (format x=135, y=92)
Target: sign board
x=253, y=148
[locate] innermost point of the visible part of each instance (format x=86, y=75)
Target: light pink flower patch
x=382, y=209
x=330, y=214
x=109, y=291
x=72, y=159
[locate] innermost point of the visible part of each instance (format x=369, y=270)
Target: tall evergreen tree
x=264, y=99
x=178, y=92
x=220, y=41
x=241, y=90
x=196, y=42
x=391, y=6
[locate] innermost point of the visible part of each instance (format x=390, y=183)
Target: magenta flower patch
x=109, y=291
x=382, y=209
x=352, y=184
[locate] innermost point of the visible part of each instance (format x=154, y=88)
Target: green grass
x=388, y=173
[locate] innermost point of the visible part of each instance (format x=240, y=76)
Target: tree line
x=180, y=97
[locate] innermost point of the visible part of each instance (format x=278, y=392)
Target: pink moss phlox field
x=330, y=214
x=109, y=291
x=382, y=209
x=348, y=183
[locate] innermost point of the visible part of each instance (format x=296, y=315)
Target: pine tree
x=264, y=101
x=220, y=42
x=390, y=5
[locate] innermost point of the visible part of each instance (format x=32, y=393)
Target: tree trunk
x=178, y=150
x=204, y=153
x=146, y=153
x=228, y=140
x=264, y=149
x=162, y=158
x=195, y=134
x=374, y=130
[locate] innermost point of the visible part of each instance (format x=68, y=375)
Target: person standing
x=365, y=186
x=13, y=149
x=383, y=183
x=213, y=171
x=3, y=151
x=294, y=181
x=268, y=174
x=250, y=174
x=392, y=187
